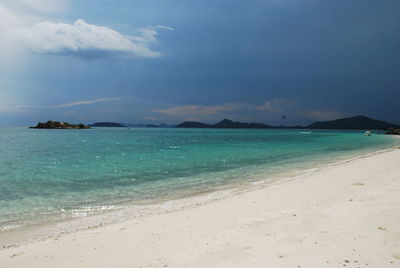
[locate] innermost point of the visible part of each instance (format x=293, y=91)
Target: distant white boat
x=306, y=132
x=367, y=133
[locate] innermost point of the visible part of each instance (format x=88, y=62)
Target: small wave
x=89, y=210
x=9, y=227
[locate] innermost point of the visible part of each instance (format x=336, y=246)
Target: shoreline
x=61, y=227
x=203, y=212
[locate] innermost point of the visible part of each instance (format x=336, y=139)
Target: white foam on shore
x=97, y=216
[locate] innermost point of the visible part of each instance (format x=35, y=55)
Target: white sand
x=345, y=215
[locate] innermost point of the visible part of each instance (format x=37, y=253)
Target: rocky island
x=59, y=125
x=393, y=131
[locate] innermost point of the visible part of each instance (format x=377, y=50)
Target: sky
x=281, y=62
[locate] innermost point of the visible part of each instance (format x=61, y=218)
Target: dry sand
x=344, y=215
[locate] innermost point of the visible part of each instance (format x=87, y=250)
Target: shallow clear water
x=55, y=174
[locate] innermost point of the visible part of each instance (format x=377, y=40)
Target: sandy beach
x=343, y=215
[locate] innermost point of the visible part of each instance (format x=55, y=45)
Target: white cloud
x=149, y=34
x=16, y=15
x=75, y=103
x=323, y=115
x=186, y=110
x=272, y=111
x=39, y=5
x=274, y=105
x=87, y=40
x=19, y=14
x=24, y=27
x=9, y=22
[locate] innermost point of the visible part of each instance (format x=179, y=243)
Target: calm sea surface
x=56, y=174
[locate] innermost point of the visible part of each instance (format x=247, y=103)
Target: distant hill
x=189, y=124
x=356, y=122
x=226, y=123
x=135, y=125
x=165, y=125
x=107, y=124
x=162, y=125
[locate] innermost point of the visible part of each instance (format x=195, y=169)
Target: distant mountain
x=107, y=124
x=135, y=125
x=189, y=124
x=226, y=123
x=165, y=125
x=162, y=125
x=356, y=122
x=151, y=125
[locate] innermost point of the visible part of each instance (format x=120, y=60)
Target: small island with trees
x=59, y=125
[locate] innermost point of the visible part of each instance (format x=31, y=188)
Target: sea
x=57, y=181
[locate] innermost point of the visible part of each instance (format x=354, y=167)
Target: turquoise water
x=55, y=174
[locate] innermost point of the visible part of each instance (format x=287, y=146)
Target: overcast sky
x=174, y=60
